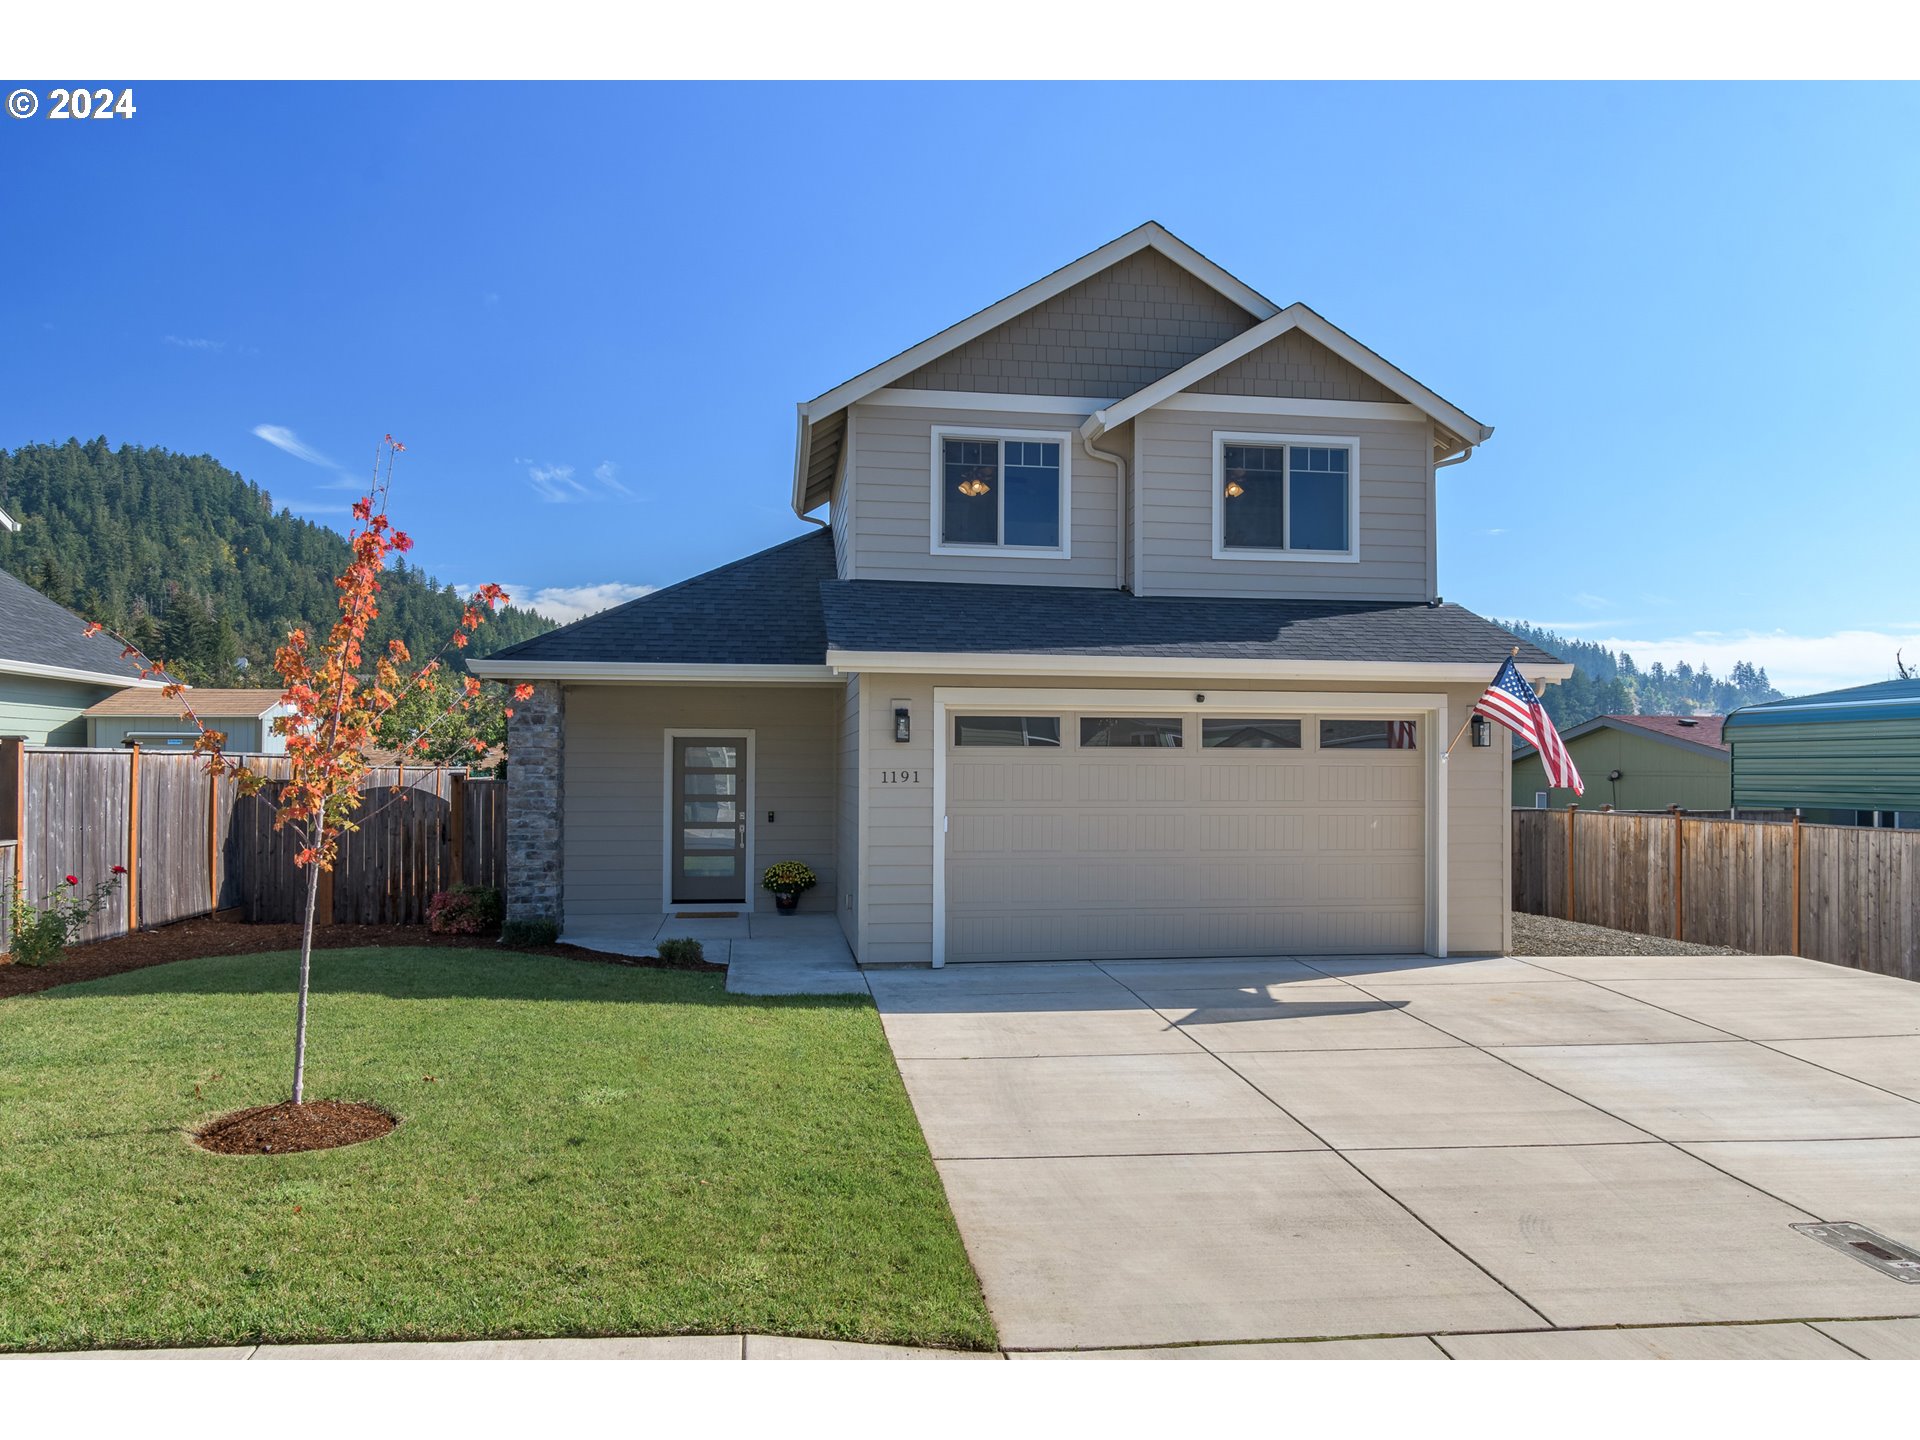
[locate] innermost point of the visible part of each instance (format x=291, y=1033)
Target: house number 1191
x=899, y=777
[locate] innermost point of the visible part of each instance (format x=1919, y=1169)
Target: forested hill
x=1604, y=683
x=192, y=563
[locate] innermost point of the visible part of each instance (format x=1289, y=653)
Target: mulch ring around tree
x=191, y=939
x=284, y=1128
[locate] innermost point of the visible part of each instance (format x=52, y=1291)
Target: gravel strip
x=1543, y=935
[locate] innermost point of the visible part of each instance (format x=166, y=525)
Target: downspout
x=1463, y=456
x=1119, y=500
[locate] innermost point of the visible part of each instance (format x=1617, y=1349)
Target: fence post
x=1796, y=882
x=457, y=823
x=1571, y=807
x=213, y=842
x=1679, y=884
x=133, y=841
x=13, y=755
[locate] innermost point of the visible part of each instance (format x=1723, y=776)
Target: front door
x=709, y=810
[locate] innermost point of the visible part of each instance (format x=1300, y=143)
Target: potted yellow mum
x=788, y=880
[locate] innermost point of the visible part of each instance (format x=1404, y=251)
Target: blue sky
x=589, y=310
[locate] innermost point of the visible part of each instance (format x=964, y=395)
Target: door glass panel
x=1228, y=734
x=708, y=867
x=715, y=784
x=710, y=757
x=694, y=838
x=1129, y=733
x=710, y=811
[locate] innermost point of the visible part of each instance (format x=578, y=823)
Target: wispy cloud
x=565, y=603
x=558, y=485
x=1497, y=530
x=1593, y=602
x=608, y=474
x=555, y=484
x=1797, y=664
x=189, y=342
x=281, y=438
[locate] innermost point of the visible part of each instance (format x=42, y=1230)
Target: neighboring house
x=1124, y=640
x=1843, y=757
x=51, y=670
x=1635, y=762
x=153, y=722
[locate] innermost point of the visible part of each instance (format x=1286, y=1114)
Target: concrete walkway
x=764, y=954
x=1504, y=1155
x=1822, y=1340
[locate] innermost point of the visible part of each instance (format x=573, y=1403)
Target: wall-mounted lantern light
x=1482, y=732
x=902, y=724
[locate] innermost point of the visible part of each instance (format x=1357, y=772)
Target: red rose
x=119, y=869
x=73, y=879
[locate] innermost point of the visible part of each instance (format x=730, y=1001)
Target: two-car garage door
x=1083, y=835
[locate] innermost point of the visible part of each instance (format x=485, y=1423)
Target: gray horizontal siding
x=1174, y=454
x=892, y=510
x=615, y=759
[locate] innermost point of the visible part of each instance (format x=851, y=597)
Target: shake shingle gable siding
x=36, y=631
x=872, y=616
x=763, y=610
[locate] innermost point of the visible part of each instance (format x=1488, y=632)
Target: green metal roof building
x=1846, y=757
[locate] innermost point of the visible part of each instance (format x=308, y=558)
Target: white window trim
x=668, y=816
x=938, y=546
x=1349, y=443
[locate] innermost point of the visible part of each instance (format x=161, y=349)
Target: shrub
x=41, y=935
x=682, y=950
x=465, y=910
x=788, y=877
x=529, y=932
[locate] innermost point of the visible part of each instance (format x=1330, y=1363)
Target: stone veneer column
x=536, y=796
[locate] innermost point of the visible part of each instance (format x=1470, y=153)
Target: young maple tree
x=338, y=706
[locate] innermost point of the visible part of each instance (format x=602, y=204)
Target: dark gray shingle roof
x=895, y=615
x=763, y=610
x=35, y=631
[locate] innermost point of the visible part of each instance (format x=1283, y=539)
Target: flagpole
x=1514, y=654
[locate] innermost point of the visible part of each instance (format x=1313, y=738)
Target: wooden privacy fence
x=1837, y=893
x=193, y=845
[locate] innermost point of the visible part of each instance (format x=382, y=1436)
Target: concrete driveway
x=1477, y=1158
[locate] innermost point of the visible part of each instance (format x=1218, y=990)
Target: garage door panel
x=1261, y=781
x=1085, y=854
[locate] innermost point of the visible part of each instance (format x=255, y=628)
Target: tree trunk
x=306, y=969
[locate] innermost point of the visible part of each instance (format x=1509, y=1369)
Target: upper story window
x=1290, y=497
x=1000, y=490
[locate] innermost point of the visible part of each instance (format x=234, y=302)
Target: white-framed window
x=1002, y=492
x=1285, y=497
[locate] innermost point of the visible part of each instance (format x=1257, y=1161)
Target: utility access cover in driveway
x=1889, y=1257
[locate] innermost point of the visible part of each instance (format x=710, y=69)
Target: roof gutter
x=92, y=677
x=1171, y=666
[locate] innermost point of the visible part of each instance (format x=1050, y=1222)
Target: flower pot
x=786, y=904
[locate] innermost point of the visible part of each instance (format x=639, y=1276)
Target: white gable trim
x=92, y=677
x=1150, y=235
x=1294, y=317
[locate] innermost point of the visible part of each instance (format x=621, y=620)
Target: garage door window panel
x=1369, y=734
x=1256, y=733
x=1006, y=731
x=1099, y=732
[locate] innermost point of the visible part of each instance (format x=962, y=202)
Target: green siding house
x=1843, y=757
x=1660, y=760
x=51, y=670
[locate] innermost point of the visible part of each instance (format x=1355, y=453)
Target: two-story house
x=1122, y=638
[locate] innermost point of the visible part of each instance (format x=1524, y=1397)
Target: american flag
x=1511, y=701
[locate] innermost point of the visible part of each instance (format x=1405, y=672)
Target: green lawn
x=599, y=1151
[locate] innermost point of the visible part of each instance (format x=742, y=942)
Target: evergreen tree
x=1604, y=683
x=189, y=561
